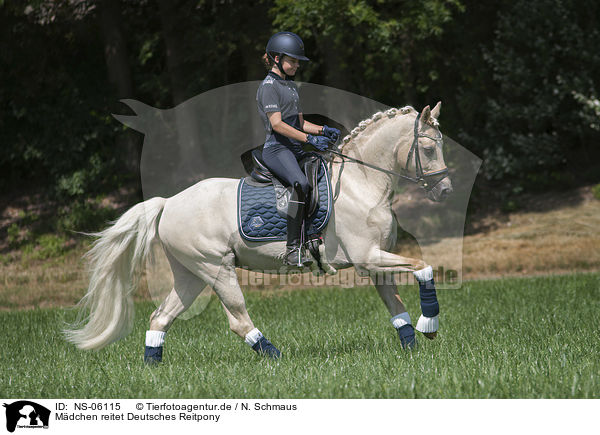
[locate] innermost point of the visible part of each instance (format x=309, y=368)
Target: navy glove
x=319, y=142
x=331, y=133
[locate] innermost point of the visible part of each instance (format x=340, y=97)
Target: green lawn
x=512, y=338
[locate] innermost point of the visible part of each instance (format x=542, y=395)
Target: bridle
x=420, y=177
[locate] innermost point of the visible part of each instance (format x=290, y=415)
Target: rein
x=420, y=176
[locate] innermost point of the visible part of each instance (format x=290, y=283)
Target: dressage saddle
x=258, y=171
x=318, y=207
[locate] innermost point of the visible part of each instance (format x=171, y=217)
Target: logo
x=256, y=222
x=26, y=414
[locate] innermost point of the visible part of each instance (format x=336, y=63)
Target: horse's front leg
x=400, y=317
x=429, y=321
x=382, y=261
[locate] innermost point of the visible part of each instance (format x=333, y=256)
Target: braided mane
x=371, y=121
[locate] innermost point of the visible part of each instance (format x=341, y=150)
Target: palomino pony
x=198, y=231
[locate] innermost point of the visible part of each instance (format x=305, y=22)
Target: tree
x=119, y=73
x=538, y=60
x=380, y=49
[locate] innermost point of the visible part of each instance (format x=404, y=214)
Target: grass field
x=511, y=338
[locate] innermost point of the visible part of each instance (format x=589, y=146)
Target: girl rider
x=279, y=108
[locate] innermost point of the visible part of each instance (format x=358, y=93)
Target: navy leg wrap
x=153, y=355
x=407, y=336
x=429, y=302
x=264, y=347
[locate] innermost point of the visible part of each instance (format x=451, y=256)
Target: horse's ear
x=435, y=112
x=426, y=114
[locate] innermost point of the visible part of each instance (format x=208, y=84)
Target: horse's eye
x=429, y=151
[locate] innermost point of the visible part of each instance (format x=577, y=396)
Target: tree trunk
x=175, y=45
x=119, y=73
x=189, y=144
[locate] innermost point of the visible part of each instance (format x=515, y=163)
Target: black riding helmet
x=285, y=43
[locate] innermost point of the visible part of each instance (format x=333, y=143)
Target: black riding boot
x=294, y=255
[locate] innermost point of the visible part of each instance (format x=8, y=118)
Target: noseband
x=420, y=177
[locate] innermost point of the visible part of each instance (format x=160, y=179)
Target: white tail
x=116, y=262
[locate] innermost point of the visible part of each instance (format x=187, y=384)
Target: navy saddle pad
x=258, y=220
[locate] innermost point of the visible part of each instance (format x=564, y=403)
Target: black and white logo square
x=25, y=414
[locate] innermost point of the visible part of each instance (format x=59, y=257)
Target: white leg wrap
x=155, y=338
x=400, y=320
x=428, y=324
x=253, y=336
x=424, y=275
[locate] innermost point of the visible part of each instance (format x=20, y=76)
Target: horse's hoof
x=153, y=355
x=265, y=348
x=430, y=335
x=408, y=341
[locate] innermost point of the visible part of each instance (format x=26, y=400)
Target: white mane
x=390, y=113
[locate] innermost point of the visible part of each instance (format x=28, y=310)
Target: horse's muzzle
x=441, y=191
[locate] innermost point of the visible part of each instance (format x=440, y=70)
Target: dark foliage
x=519, y=80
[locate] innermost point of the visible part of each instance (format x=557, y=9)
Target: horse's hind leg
x=186, y=289
x=228, y=290
x=223, y=279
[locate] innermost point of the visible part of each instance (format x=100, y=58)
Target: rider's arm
x=285, y=129
x=309, y=127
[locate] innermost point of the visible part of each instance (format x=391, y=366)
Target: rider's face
x=290, y=65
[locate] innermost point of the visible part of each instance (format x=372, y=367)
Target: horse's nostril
x=446, y=191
